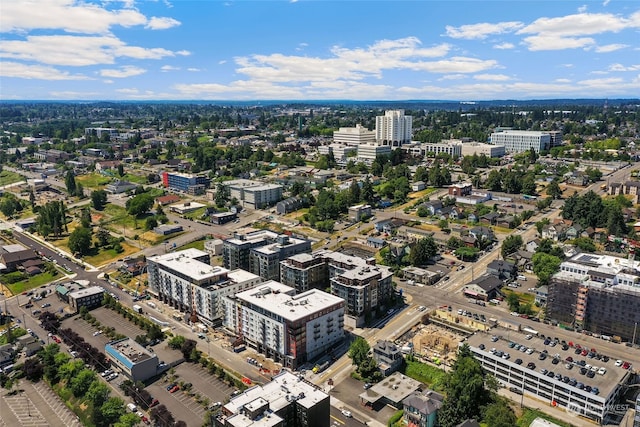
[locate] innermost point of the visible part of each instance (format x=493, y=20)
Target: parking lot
x=184, y=406
x=348, y=391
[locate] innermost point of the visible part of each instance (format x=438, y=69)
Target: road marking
x=338, y=419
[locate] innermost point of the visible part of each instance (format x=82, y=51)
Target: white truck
x=132, y=407
x=137, y=308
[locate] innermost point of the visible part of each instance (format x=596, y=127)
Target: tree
x=585, y=244
x=553, y=190
x=140, y=204
x=80, y=383
x=120, y=170
x=127, y=420
x=112, y=409
x=150, y=223
x=103, y=236
x=70, y=183
x=514, y=302
x=367, y=194
x=98, y=393
x=33, y=369
x=32, y=198
x=466, y=253
x=511, y=245
x=8, y=206
x=85, y=218
x=359, y=351
x=499, y=414
x=80, y=241
x=98, y=199
x=422, y=251
x=464, y=388
x=545, y=266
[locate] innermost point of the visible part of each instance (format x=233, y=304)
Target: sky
x=318, y=50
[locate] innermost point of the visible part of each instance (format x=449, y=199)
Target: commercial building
x=367, y=153
x=429, y=149
x=557, y=384
x=135, y=361
x=517, y=141
x=286, y=400
x=187, y=282
x=340, y=152
x=358, y=212
x=89, y=297
x=462, y=189
x=598, y=293
x=288, y=327
x=394, y=128
x=478, y=148
x=364, y=286
x=355, y=136
x=192, y=184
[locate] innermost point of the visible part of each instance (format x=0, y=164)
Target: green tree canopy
x=545, y=266
x=80, y=241
x=140, y=204
x=422, y=251
x=98, y=199
x=511, y=245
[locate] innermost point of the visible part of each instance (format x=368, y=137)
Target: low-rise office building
x=286, y=400
x=135, y=361
x=193, y=184
x=478, y=148
x=89, y=297
x=367, y=153
x=517, y=141
x=355, y=136
x=253, y=194
x=288, y=327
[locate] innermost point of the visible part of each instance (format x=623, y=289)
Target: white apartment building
x=186, y=281
x=358, y=135
x=368, y=153
x=394, y=128
x=517, y=141
x=478, y=148
x=253, y=194
x=340, y=152
x=292, y=329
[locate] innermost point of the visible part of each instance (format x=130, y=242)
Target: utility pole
x=635, y=326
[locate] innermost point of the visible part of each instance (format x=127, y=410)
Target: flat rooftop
x=605, y=383
x=183, y=262
x=396, y=387
x=274, y=297
x=239, y=275
x=93, y=290
x=275, y=247
x=129, y=351
x=253, y=236
x=281, y=391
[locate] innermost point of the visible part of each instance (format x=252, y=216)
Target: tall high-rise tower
x=394, y=128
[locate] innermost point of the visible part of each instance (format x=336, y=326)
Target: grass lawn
x=150, y=238
x=430, y=375
x=119, y=221
x=33, y=282
x=198, y=244
x=196, y=214
x=109, y=255
x=531, y=414
x=8, y=177
x=523, y=297
x=135, y=178
x=93, y=180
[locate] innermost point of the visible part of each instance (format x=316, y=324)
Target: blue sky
x=319, y=50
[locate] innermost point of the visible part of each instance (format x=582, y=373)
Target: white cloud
x=606, y=3
x=67, y=15
x=77, y=50
x=222, y=62
x=562, y=81
x=128, y=91
x=492, y=77
x=41, y=72
x=620, y=67
x=566, y=65
x=504, y=46
x=482, y=30
x=582, y=9
x=70, y=94
x=550, y=42
x=122, y=72
x=167, y=68
x=453, y=77
x=193, y=69
x=161, y=23
x=611, y=47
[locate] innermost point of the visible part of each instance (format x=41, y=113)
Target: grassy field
x=198, y=244
x=8, y=177
x=93, y=180
x=134, y=178
x=424, y=373
x=523, y=297
x=33, y=282
x=150, y=238
x=109, y=255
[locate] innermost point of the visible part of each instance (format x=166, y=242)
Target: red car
x=584, y=352
x=626, y=365
x=154, y=402
x=145, y=420
x=174, y=389
x=56, y=339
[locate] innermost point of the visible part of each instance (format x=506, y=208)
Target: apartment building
x=261, y=251
x=340, y=152
x=517, y=141
x=355, y=136
x=192, y=184
x=394, y=128
x=363, y=285
x=288, y=327
x=264, y=261
x=286, y=400
x=253, y=194
x=186, y=281
x=598, y=293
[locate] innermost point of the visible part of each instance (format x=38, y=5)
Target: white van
x=521, y=277
x=132, y=407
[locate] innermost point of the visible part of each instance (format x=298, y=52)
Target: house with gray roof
x=421, y=408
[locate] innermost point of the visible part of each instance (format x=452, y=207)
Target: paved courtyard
x=37, y=405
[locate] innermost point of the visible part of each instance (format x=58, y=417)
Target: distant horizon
x=283, y=50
